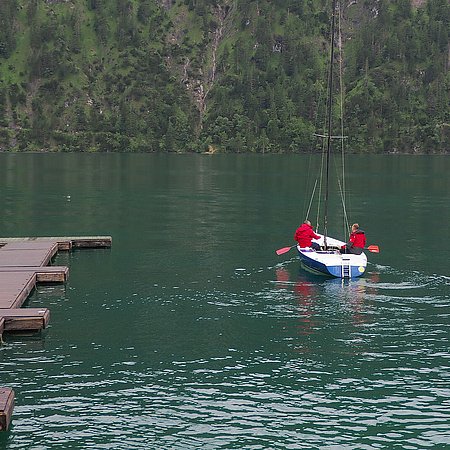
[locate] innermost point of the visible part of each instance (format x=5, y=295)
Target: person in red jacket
x=357, y=241
x=304, y=235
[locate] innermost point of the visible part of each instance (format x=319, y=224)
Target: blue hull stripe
x=334, y=271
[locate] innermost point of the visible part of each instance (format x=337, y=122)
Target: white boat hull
x=332, y=262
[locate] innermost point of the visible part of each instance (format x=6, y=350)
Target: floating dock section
x=24, y=262
x=6, y=407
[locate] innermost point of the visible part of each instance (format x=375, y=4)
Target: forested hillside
x=220, y=75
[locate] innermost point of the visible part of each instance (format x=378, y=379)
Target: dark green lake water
x=191, y=333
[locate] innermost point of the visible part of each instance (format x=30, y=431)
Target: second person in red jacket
x=356, y=242
x=305, y=234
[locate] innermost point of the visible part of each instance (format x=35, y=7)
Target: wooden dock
x=6, y=407
x=24, y=262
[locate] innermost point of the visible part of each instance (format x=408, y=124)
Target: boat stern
x=333, y=263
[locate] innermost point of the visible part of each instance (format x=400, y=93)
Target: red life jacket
x=358, y=239
x=304, y=235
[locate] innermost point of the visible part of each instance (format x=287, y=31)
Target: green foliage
x=236, y=76
x=266, y=99
x=397, y=72
x=8, y=12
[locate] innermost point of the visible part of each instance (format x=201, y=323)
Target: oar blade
x=280, y=251
x=373, y=248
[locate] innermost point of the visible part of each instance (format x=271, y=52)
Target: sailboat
x=329, y=260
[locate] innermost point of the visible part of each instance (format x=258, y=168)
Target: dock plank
x=23, y=258
x=28, y=245
x=6, y=407
x=25, y=319
x=23, y=263
x=67, y=242
x=44, y=274
x=27, y=254
x=15, y=288
x=59, y=274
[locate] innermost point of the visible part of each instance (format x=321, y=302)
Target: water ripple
x=281, y=359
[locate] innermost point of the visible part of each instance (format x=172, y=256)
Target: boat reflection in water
x=326, y=307
x=306, y=293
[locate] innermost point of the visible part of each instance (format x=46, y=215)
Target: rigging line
x=306, y=186
x=330, y=92
x=321, y=179
x=341, y=83
x=319, y=100
x=344, y=209
x=319, y=95
x=319, y=203
x=318, y=113
x=309, y=180
x=328, y=68
x=311, y=200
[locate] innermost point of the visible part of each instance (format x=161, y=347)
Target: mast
x=330, y=105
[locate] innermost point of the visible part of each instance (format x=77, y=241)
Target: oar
x=373, y=248
x=280, y=251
